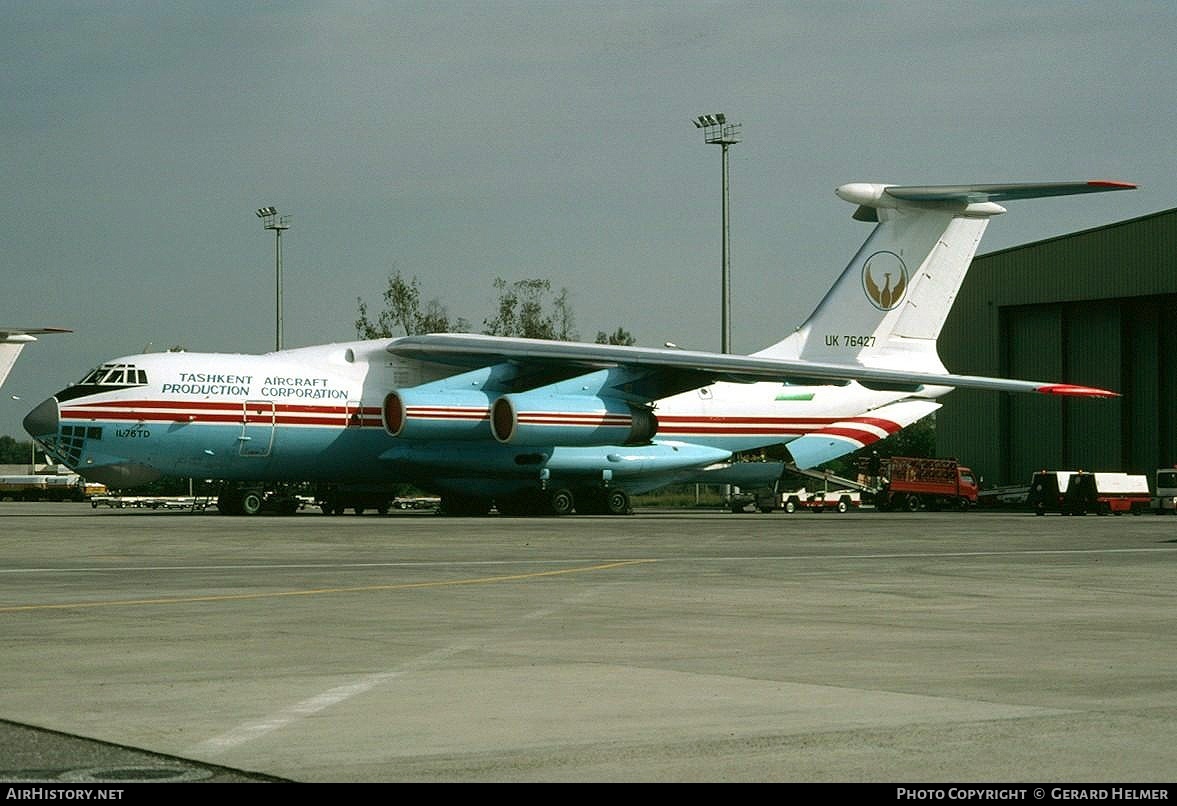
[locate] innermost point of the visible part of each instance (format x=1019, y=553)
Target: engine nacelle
x=537, y=420
x=433, y=414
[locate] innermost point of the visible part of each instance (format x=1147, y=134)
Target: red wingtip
x=1070, y=390
x=1112, y=184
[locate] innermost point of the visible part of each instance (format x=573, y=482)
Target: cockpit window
x=115, y=375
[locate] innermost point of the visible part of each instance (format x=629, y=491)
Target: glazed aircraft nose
x=43, y=420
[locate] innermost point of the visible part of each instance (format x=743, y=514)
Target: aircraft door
x=257, y=428
x=355, y=414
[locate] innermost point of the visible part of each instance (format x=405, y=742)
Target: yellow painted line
x=228, y=597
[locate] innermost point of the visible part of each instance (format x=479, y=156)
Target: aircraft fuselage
x=317, y=414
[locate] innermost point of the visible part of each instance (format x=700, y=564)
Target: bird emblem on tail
x=894, y=273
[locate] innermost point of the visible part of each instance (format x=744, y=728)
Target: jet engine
x=573, y=420
x=433, y=414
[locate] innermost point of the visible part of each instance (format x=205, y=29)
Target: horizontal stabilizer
x=971, y=194
x=980, y=200
x=21, y=335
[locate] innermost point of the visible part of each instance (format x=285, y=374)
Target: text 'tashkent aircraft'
x=537, y=426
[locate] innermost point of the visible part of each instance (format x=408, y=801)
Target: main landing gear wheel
x=562, y=502
x=617, y=502
x=251, y=503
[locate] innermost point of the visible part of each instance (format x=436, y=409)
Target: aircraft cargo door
x=257, y=428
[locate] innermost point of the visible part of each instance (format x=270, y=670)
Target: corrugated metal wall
x=1097, y=307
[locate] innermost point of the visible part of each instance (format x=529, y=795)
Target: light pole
x=271, y=220
x=717, y=131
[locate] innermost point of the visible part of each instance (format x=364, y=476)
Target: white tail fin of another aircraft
x=888, y=306
x=9, y=351
x=13, y=340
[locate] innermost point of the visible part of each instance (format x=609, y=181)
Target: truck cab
x=1165, y=501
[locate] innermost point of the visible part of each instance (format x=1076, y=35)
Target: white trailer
x=1078, y=492
x=48, y=487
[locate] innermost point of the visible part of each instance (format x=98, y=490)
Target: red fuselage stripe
x=856, y=434
x=263, y=412
x=108, y=407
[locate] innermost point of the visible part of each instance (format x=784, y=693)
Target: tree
x=524, y=308
x=619, y=336
x=403, y=312
x=13, y=452
x=521, y=308
x=917, y=439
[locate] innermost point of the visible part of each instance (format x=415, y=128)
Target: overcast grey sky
x=463, y=141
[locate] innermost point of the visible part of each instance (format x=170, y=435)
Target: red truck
x=912, y=483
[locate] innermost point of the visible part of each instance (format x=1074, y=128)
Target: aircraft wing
x=680, y=370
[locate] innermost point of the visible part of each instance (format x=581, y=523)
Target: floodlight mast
x=717, y=131
x=271, y=220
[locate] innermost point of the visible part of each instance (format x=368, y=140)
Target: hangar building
x=1098, y=308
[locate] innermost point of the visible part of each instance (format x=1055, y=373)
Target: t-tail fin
x=9, y=350
x=888, y=306
x=13, y=340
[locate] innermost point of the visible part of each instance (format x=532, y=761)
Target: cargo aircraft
x=530, y=426
x=13, y=340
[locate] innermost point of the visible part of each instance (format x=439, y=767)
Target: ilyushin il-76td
x=528, y=426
